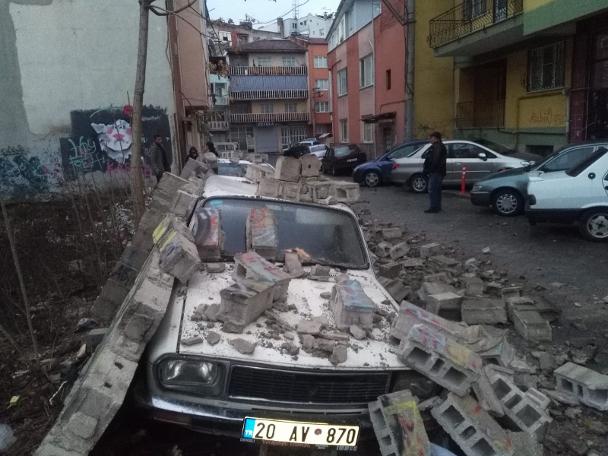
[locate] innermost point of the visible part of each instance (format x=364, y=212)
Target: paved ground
x=542, y=254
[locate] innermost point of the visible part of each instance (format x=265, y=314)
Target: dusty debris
x=483, y=311
x=357, y=332
x=320, y=273
x=242, y=305
x=243, y=346
x=293, y=266
x=212, y=337
x=350, y=305
x=392, y=233
x=312, y=326
x=194, y=340
x=338, y=355
x=428, y=250
x=215, y=268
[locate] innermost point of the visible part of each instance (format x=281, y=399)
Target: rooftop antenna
x=295, y=9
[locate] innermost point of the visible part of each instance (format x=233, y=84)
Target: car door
x=399, y=157
x=467, y=155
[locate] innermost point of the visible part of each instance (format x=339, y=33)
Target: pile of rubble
x=300, y=179
x=494, y=402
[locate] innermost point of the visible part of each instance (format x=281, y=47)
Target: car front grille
x=304, y=387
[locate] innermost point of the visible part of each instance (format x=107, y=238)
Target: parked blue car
x=378, y=171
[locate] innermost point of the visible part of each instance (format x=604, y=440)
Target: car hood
x=304, y=301
x=505, y=173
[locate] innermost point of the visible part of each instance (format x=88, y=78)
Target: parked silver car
x=480, y=162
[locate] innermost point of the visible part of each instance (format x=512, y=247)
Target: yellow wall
x=533, y=110
x=433, y=76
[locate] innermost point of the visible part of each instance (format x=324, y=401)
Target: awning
x=373, y=118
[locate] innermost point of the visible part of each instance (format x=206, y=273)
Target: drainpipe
x=410, y=7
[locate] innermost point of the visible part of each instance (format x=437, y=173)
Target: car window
x=231, y=169
x=342, y=151
x=567, y=159
x=404, y=151
x=587, y=162
x=329, y=236
x=464, y=150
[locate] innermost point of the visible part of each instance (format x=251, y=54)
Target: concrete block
x=485, y=394
x=167, y=227
x=510, y=292
x=269, y=187
x=398, y=425
x=410, y=315
x=435, y=303
x=585, y=385
x=261, y=229
x=241, y=305
x=443, y=277
x=94, y=337
x=311, y=165
x=383, y=249
x=345, y=192
x=179, y=256
x=494, y=289
x=444, y=262
x=412, y=263
x=429, y=250
x=440, y=358
x=392, y=233
x=474, y=285
x=526, y=410
x=320, y=273
x=431, y=288
x=207, y=232
x=292, y=265
x=321, y=191
x=350, y=305
x=289, y=190
x=288, y=169
x=518, y=303
x=397, y=289
x=193, y=168
x=399, y=250
x=472, y=428
x=251, y=268
x=531, y=326
x=305, y=191
x=256, y=172
x=390, y=270
x=483, y=311
x=183, y=204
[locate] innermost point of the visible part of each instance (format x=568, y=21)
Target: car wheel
x=594, y=225
x=508, y=202
x=372, y=179
x=419, y=183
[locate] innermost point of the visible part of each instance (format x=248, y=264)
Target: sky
x=266, y=10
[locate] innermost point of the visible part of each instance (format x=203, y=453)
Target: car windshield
x=329, y=236
x=341, y=151
x=566, y=158
x=231, y=169
x=406, y=150
x=494, y=146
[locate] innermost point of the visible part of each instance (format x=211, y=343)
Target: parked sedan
x=378, y=171
x=506, y=192
x=480, y=162
x=342, y=158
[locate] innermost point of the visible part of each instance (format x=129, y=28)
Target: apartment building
x=268, y=95
x=311, y=25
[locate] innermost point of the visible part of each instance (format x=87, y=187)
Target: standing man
x=435, y=170
x=159, y=160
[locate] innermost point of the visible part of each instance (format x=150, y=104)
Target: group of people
x=160, y=158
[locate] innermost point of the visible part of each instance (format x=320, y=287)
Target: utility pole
x=410, y=50
x=137, y=180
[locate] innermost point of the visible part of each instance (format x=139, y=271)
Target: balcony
x=217, y=125
x=269, y=95
x=456, y=32
x=267, y=71
x=269, y=118
x=219, y=100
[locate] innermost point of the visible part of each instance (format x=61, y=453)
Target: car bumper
x=225, y=417
x=358, y=176
x=480, y=198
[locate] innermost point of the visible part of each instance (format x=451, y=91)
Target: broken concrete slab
x=251, y=268
x=256, y=172
x=288, y=169
x=320, y=273
x=390, y=270
x=241, y=305
x=531, y=326
x=357, y=332
x=311, y=165
x=292, y=265
x=412, y=263
x=212, y=337
x=338, y=355
x=392, y=233
x=473, y=284
x=312, y=326
x=261, y=232
x=485, y=394
x=398, y=425
x=397, y=289
x=207, y=231
x=399, y=250
x=269, y=187
x=215, y=268
x=431, y=288
x=350, y=305
x=383, y=249
x=244, y=347
x=440, y=358
x=472, y=428
x=435, y=303
x=189, y=341
x=585, y=385
x=428, y=250
x=483, y=311
x=445, y=262
x=289, y=190
x=179, y=256
x=345, y=192
x=183, y=204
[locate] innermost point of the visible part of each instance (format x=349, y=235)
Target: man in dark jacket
x=435, y=166
x=159, y=159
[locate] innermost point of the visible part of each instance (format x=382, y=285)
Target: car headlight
x=190, y=374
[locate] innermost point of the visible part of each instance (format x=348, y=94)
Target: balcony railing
x=269, y=118
x=480, y=115
x=470, y=17
x=220, y=100
x=267, y=71
x=269, y=95
x=217, y=125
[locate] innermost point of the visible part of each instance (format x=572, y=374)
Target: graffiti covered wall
x=65, y=65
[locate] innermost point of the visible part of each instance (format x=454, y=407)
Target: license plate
x=300, y=433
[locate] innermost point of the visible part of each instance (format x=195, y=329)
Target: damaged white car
x=283, y=337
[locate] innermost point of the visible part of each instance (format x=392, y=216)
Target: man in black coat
x=435, y=166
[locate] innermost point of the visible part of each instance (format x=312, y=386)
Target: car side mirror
x=531, y=163
x=482, y=155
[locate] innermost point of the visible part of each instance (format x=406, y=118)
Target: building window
x=292, y=135
x=322, y=32
x=266, y=108
x=291, y=106
x=348, y=22
x=344, y=130
x=388, y=79
x=289, y=61
x=322, y=106
x=546, y=67
x=368, y=132
x=320, y=61
x=322, y=84
x=342, y=83
x=263, y=61
x=243, y=38
x=294, y=25
x=366, y=71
